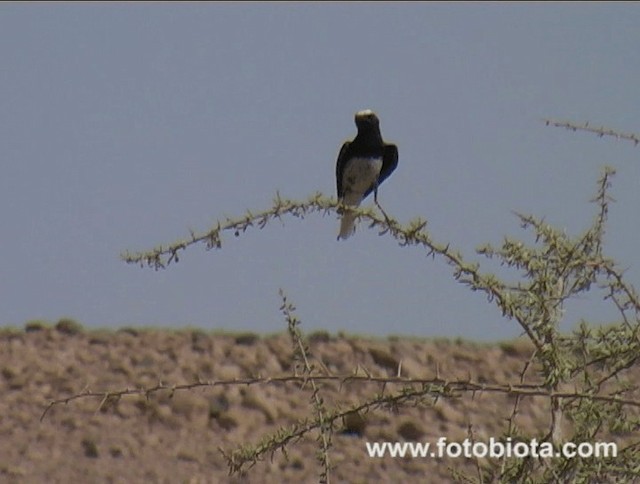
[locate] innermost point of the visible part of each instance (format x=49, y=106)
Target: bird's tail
x=347, y=223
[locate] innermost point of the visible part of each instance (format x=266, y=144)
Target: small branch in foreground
x=300, y=351
x=526, y=390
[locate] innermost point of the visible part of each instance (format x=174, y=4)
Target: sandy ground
x=177, y=438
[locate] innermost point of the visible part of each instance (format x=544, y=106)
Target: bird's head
x=366, y=118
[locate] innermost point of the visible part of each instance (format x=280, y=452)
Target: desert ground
x=179, y=436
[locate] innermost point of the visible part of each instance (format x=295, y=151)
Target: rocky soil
x=177, y=437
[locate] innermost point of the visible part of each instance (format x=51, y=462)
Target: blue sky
x=125, y=125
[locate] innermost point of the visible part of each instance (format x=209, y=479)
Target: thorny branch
x=436, y=385
x=300, y=351
x=600, y=131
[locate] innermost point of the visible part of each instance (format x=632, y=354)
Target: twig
x=601, y=131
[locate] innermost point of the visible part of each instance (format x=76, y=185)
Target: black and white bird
x=363, y=164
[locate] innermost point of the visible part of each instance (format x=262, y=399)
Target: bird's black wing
x=340, y=164
x=389, y=163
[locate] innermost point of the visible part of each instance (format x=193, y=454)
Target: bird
x=362, y=165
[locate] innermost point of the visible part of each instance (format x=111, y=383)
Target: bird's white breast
x=358, y=176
